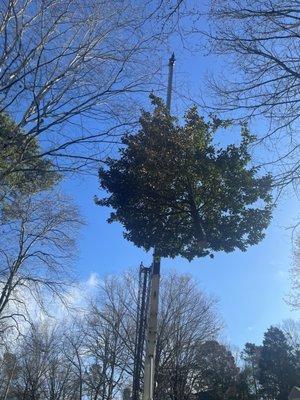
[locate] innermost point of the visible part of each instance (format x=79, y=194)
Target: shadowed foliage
x=173, y=189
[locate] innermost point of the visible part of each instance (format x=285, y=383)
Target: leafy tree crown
x=23, y=170
x=174, y=190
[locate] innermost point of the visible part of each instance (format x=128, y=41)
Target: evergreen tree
x=23, y=170
x=174, y=190
x=251, y=355
x=243, y=387
x=277, y=366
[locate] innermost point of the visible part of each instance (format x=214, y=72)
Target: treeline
x=38, y=227
x=92, y=356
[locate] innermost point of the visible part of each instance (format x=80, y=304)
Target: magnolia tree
x=173, y=189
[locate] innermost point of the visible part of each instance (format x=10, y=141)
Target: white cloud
x=79, y=294
x=72, y=302
x=93, y=280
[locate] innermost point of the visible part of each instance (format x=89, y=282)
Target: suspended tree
x=173, y=189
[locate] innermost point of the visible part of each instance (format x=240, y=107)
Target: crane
x=151, y=333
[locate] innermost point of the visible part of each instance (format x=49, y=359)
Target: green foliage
x=22, y=169
x=251, y=355
x=278, y=369
x=273, y=368
x=174, y=190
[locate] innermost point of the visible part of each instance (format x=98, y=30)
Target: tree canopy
x=278, y=365
x=22, y=167
x=173, y=189
x=260, y=75
x=272, y=369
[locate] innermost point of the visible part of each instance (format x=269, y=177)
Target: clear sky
x=250, y=286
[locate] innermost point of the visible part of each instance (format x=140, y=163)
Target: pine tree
x=23, y=169
x=251, y=356
x=277, y=366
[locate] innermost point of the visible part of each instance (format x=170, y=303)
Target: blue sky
x=250, y=286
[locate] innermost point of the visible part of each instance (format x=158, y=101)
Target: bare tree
x=36, y=251
x=260, y=43
x=75, y=359
x=187, y=319
x=9, y=373
x=294, y=298
x=43, y=364
x=71, y=72
x=91, y=356
x=110, y=333
x=291, y=330
x=35, y=354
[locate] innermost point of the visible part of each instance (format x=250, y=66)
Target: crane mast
x=151, y=337
x=152, y=329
